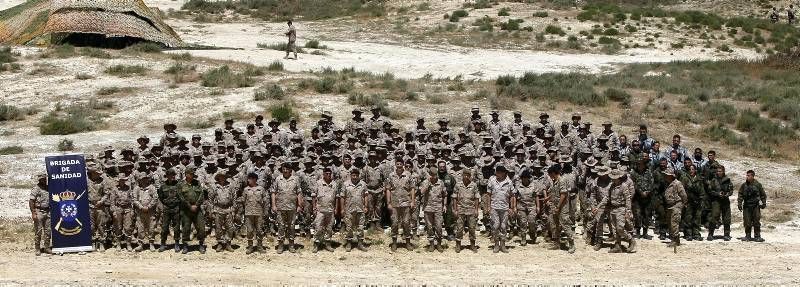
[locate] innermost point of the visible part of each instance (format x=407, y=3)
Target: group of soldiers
x=506, y=178
x=791, y=15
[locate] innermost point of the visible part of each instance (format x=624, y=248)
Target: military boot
x=430, y=246
x=496, y=247
x=710, y=236
x=361, y=246
x=152, y=246
x=616, y=249
x=440, y=246
x=119, y=245
x=260, y=246
x=676, y=241
x=645, y=235
x=746, y=235
x=202, y=248
x=249, y=247
x=348, y=246
x=597, y=246
x=458, y=246
x=758, y=237
x=394, y=244
x=503, y=246
x=129, y=246
x=727, y=230
x=101, y=246
x=522, y=241
x=38, y=248
x=291, y=247
x=140, y=247
x=177, y=247
x=409, y=245
x=228, y=247
x=218, y=247
x=662, y=236
x=328, y=246
x=472, y=246
x=47, y=250
x=632, y=246
x=162, y=247
x=554, y=245
x=637, y=233
x=315, y=247
x=279, y=249
x=184, y=248
x=571, y=248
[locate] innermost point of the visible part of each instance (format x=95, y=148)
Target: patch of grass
x=75, y=118
x=199, y=124
x=83, y=76
x=277, y=47
x=572, y=87
x=511, y=24
x=275, y=66
x=618, y=95
x=182, y=73
x=540, y=14
x=283, y=111
x=718, y=111
x=7, y=55
x=95, y=53
x=315, y=44
x=10, y=113
x=66, y=145
x=126, y=70
x=484, y=24
x=501, y=102
x=181, y=57
x=718, y=132
x=269, y=92
x=223, y=77
x=555, y=30
x=11, y=150
x=505, y=11
x=437, y=99
x=457, y=15
x=325, y=85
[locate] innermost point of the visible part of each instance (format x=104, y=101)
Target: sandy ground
x=413, y=61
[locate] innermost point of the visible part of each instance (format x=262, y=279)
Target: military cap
x=189, y=170
x=372, y=153
x=602, y=137
x=591, y=162
x=576, y=116
x=602, y=170
x=586, y=150
x=517, y=114
x=565, y=159
x=520, y=151
x=587, y=124
x=544, y=115
x=475, y=109
x=668, y=171
x=357, y=111
x=500, y=168
x=494, y=112
x=122, y=179
x=564, y=124
x=430, y=157
x=616, y=174
x=525, y=173
x=607, y=123
x=41, y=176
x=552, y=149
x=375, y=108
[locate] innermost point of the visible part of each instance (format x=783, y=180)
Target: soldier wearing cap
x=170, y=216
x=145, y=200
x=98, y=207
x=255, y=200
x=191, y=196
x=501, y=202
x=143, y=141
x=618, y=205
x=596, y=195
x=39, y=204
x=642, y=176
x=675, y=199
x=495, y=125
x=324, y=205
x=287, y=201
x=527, y=194
x=353, y=197
x=121, y=199
x=400, y=197
x=466, y=203
x=222, y=197
x=374, y=179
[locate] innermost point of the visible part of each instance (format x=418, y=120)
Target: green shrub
x=556, y=30
x=11, y=150
x=607, y=40
x=66, y=145
x=457, y=15
x=60, y=52
x=437, y=99
x=9, y=113
x=611, y=32
x=575, y=88
x=325, y=85
x=76, y=118
x=505, y=11
x=277, y=47
x=617, y=95
x=283, y=111
x=7, y=55
x=501, y=102
x=511, y=24
x=275, y=66
x=540, y=14
x=718, y=132
x=314, y=44
x=269, y=92
x=95, y=53
x=762, y=131
x=719, y=111
x=484, y=24
x=126, y=71
x=223, y=77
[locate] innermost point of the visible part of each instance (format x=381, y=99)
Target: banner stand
x=69, y=203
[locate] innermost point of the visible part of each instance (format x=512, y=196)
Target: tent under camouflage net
x=106, y=23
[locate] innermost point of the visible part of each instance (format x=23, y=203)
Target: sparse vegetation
x=10, y=113
x=182, y=73
x=144, y=47
x=223, y=77
x=283, y=111
x=315, y=44
x=555, y=30
x=277, y=47
x=75, y=118
x=271, y=10
x=457, y=15
x=126, y=70
x=275, y=66
x=11, y=150
x=66, y=145
x=269, y=92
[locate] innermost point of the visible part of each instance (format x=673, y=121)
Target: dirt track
x=772, y=263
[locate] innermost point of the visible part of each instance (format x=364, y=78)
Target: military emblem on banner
x=68, y=223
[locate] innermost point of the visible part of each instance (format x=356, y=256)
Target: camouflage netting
x=57, y=19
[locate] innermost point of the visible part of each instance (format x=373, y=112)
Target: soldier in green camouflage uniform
x=642, y=177
x=751, y=200
x=695, y=191
x=170, y=215
x=674, y=198
x=191, y=196
x=720, y=189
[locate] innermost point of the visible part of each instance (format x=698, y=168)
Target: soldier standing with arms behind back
x=286, y=203
x=39, y=204
x=501, y=200
x=720, y=189
x=675, y=199
x=752, y=199
x=292, y=35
